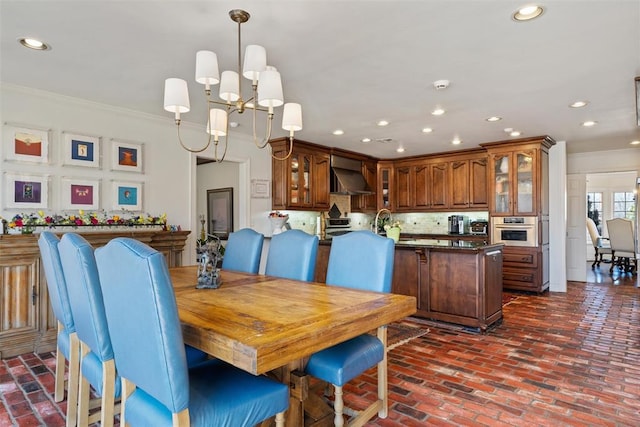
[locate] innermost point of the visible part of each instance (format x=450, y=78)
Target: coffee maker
x=456, y=224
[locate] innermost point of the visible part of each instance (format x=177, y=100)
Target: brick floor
x=558, y=359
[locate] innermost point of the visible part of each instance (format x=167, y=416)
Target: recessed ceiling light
x=382, y=123
x=438, y=111
x=528, y=13
x=456, y=141
x=589, y=123
x=234, y=124
x=636, y=142
x=400, y=150
x=338, y=132
x=365, y=140
x=578, y=104
x=34, y=44
x=494, y=119
x=515, y=133
x=507, y=130
x=427, y=130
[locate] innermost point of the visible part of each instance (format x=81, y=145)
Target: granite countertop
x=445, y=243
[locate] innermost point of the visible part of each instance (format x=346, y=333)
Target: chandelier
x=266, y=95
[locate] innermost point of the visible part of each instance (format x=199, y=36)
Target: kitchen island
x=454, y=281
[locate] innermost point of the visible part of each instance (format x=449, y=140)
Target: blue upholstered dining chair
x=359, y=260
x=67, y=344
x=243, y=251
x=157, y=385
x=97, y=367
x=292, y=255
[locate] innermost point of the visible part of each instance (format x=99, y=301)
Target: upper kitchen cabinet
x=457, y=181
x=302, y=180
x=367, y=202
x=519, y=176
x=385, y=185
x=469, y=182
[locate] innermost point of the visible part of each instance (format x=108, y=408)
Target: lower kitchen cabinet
x=524, y=269
x=454, y=285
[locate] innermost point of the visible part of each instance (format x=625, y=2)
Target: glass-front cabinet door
x=300, y=191
x=514, y=180
x=525, y=180
x=502, y=183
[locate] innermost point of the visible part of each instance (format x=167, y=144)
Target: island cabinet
x=300, y=181
x=27, y=323
x=461, y=285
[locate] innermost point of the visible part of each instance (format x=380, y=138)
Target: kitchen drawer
x=524, y=279
x=518, y=257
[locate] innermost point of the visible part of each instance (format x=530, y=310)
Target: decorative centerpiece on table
x=209, y=253
x=393, y=230
x=278, y=220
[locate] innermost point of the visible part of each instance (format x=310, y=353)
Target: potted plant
x=393, y=230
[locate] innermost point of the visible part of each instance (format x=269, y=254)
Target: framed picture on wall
x=127, y=195
x=220, y=212
x=26, y=191
x=80, y=193
x=126, y=156
x=80, y=150
x=26, y=143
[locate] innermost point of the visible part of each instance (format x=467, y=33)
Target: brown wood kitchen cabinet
x=27, y=323
x=454, y=285
x=518, y=176
x=385, y=191
x=469, y=182
x=421, y=185
x=302, y=180
x=455, y=182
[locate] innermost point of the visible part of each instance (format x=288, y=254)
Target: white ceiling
x=350, y=63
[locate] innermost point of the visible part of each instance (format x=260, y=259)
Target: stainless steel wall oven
x=515, y=231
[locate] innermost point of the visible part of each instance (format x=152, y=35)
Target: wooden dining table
x=265, y=324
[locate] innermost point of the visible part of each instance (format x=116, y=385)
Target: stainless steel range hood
x=346, y=177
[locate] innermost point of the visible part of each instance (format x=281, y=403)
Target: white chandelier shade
x=229, y=85
x=270, y=93
x=217, y=124
x=255, y=62
x=176, y=96
x=292, y=117
x=207, y=68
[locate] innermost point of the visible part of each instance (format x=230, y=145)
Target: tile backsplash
x=411, y=223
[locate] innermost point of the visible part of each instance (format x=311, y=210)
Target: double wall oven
x=515, y=231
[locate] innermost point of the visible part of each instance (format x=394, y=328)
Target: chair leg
x=338, y=406
x=128, y=387
x=58, y=395
x=595, y=261
x=280, y=419
x=108, y=392
x=73, y=382
x=83, y=391
x=383, y=395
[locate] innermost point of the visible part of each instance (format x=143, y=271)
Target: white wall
x=169, y=171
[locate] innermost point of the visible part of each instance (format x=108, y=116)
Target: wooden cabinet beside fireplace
x=27, y=323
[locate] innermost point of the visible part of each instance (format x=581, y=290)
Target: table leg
x=294, y=375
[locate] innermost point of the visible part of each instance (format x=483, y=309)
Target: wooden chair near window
x=600, y=244
x=623, y=245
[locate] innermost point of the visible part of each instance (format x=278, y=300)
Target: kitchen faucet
x=381, y=211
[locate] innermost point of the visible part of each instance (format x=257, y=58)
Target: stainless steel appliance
x=479, y=227
x=515, y=231
x=336, y=225
x=456, y=224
